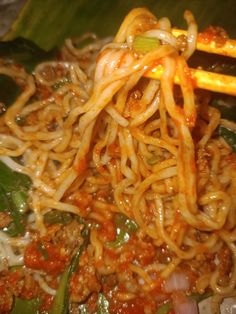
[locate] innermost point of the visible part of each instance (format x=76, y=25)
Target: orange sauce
x=82, y=166
x=53, y=263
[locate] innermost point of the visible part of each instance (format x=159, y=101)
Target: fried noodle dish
x=119, y=193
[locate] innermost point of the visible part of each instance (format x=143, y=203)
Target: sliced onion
x=184, y=305
x=177, y=281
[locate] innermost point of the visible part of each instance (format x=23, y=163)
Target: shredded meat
x=163, y=254
x=5, y=219
x=6, y=298
x=204, y=264
x=70, y=236
x=225, y=259
x=16, y=283
x=202, y=167
x=144, y=253
x=127, y=282
x=84, y=282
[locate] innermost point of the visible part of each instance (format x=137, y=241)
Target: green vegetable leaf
x=154, y=159
x=124, y=228
x=229, y=136
x=103, y=304
x=165, y=308
x=19, y=198
x=59, y=304
x=43, y=250
x=26, y=306
x=200, y=297
x=57, y=217
x=4, y=203
x=24, y=52
x=13, y=181
x=9, y=91
x=61, y=301
x=13, y=198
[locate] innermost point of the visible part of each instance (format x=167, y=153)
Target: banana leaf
x=48, y=22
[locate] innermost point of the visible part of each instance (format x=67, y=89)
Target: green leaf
x=200, y=297
x=4, y=203
x=9, y=91
x=19, y=199
x=41, y=21
x=12, y=180
x=24, y=52
x=61, y=300
x=229, y=136
x=13, y=198
x=43, y=250
x=125, y=227
x=103, y=304
x=26, y=306
x=59, y=304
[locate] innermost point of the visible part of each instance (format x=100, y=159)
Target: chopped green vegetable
x=15, y=267
x=9, y=91
x=165, y=308
x=122, y=221
x=13, y=230
x=124, y=228
x=229, y=136
x=20, y=200
x=103, y=304
x=26, y=306
x=24, y=52
x=13, y=198
x=154, y=159
x=61, y=301
x=200, y=297
x=143, y=44
x=63, y=81
x=43, y=250
x=57, y=217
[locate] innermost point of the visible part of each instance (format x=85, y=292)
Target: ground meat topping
x=84, y=282
x=5, y=219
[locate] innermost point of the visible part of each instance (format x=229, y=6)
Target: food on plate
x=118, y=191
